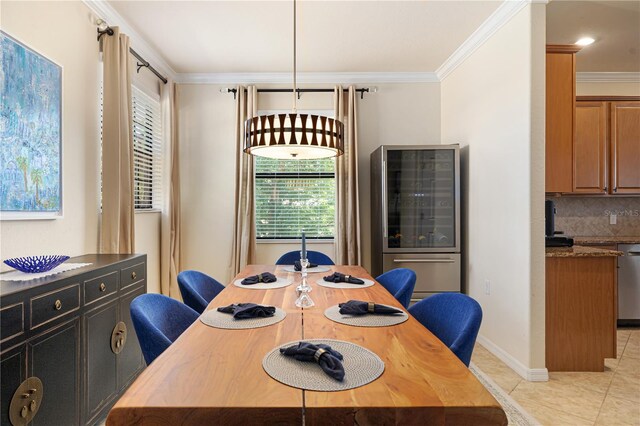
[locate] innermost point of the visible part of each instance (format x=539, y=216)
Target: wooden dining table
x=215, y=376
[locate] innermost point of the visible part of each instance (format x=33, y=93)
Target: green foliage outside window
x=295, y=195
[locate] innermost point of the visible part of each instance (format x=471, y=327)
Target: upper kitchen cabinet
x=560, y=117
x=625, y=147
x=592, y=142
x=590, y=148
x=606, y=150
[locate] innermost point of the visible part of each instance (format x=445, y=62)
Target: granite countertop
x=607, y=240
x=581, y=251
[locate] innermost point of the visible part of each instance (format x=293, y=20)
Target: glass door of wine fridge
x=421, y=199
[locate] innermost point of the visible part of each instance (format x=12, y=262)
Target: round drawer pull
x=103, y=287
x=58, y=305
x=134, y=275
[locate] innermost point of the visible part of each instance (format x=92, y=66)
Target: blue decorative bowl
x=35, y=264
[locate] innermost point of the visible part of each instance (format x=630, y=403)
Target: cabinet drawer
x=99, y=287
x=54, y=305
x=132, y=275
x=11, y=321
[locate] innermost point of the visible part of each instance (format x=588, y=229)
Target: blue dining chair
x=313, y=256
x=159, y=320
x=454, y=318
x=198, y=289
x=400, y=282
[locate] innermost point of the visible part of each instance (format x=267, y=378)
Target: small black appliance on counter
x=552, y=239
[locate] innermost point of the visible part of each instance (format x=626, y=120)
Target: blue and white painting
x=30, y=130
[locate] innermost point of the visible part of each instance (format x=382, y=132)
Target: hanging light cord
x=295, y=106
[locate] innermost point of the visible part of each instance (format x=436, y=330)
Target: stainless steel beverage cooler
x=415, y=214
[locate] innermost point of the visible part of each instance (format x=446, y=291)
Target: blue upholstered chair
x=198, y=289
x=159, y=321
x=313, y=256
x=454, y=318
x=399, y=282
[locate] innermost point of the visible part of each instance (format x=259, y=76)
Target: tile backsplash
x=590, y=216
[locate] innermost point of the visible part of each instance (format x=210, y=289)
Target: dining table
x=215, y=376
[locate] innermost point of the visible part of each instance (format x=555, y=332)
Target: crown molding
x=503, y=14
x=608, y=77
x=105, y=11
x=307, y=78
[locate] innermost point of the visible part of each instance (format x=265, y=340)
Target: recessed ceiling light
x=585, y=41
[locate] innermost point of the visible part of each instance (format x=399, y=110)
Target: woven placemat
x=319, y=268
x=361, y=366
x=365, y=320
x=331, y=284
x=216, y=319
x=281, y=282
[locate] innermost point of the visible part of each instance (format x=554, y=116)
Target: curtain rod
x=109, y=31
x=300, y=91
x=147, y=65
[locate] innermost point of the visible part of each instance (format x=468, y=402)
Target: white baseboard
x=529, y=374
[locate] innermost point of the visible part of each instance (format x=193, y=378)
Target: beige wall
x=65, y=33
x=610, y=89
x=397, y=114
x=493, y=105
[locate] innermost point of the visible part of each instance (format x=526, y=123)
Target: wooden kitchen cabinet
x=606, y=153
x=590, y=165
x=625, y=147
x=560, y=117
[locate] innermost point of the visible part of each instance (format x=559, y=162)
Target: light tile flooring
x=608, y=398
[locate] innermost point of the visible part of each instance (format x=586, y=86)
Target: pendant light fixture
x=294, y=136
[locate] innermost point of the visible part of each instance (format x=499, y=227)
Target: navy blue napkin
x=327, y=358
x=358, y=307
x=298, y=267
x=265, y=277
x=337, y=277
x=248, y=310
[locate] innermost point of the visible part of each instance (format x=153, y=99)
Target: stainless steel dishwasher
x=629, y=285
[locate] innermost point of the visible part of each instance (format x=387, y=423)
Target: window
x=147, y=151
x=295, y=195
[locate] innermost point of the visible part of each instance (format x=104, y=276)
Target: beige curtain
x=347, y=238
x=117, y=220
x=244, y=237
x=170, y=224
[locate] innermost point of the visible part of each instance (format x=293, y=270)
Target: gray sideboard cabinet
x=68, y=348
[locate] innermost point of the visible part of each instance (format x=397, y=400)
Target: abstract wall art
x=30, y=132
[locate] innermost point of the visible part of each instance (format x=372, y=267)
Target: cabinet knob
x=57, y=305
x=23, y=412
x=134, y=275
x=103, y=287
x=33, y=405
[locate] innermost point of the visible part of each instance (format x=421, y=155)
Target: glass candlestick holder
x=303, y=290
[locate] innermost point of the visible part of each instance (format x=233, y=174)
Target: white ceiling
x=615, y=25
x=333, y=36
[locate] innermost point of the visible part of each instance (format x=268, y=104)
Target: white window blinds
x=147, y=151
x=294, y=195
